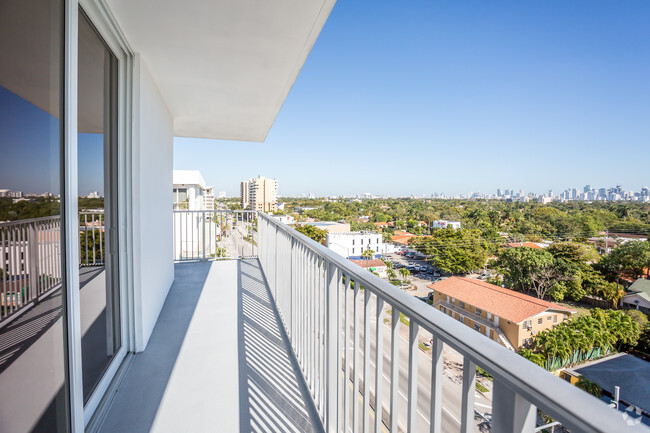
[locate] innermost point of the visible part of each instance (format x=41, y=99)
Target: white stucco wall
x=153, y=266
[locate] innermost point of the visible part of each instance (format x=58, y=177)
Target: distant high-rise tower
x=260, y=194
x=243, y=193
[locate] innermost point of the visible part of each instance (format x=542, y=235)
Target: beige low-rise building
x=503, y=315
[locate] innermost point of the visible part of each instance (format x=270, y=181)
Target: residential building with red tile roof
x=506, y=316
x=523, y=244
x=400, y=237
x=376, y=265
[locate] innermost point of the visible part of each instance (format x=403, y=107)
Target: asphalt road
x=451, y=388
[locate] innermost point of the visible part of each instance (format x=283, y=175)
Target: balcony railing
x=30, y=267
x=333, y=312
x=91, y=238
x=214, y=234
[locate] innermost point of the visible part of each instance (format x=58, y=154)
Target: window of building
x=548, y=318
x=555, y=318
x=539, y=321
x=527, y=324
x=181, y=195
x=352, y=250
x=477, y=327
x=478, y=312
x=461, y=304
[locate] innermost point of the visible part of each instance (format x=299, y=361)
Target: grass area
x=402, y=318
x=582, y=309
x=483, y=373
x=480, y=387
x=424, y=348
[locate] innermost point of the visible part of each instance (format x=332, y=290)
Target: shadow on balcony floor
x=218, y=361
x=273, y=396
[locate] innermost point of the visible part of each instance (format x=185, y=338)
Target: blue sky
x=418, y=97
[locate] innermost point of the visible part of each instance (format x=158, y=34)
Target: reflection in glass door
x=33, y=314
x=97, y=158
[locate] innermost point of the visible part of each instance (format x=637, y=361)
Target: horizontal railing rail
x=214, y=234
x=325, y=303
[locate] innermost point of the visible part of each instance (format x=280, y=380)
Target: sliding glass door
x=33, y=291
x=60, y=343
x=97, y=185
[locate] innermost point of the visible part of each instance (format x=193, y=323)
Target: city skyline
x=446, y=97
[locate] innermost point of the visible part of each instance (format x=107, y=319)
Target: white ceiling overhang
x=224, y=68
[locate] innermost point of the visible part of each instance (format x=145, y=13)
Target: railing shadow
x=272, y=393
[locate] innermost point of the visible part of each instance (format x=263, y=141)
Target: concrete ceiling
x=223, y=67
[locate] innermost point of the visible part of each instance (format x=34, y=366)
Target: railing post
x=203, y=233
x=32, y=256
x=467, y=403
x=413, y=375
x=436, y=385
x=275, y=267
x=331, y=347
x=511, y=413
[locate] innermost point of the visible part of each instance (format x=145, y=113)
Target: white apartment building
x=352, y=244
x=260, y=194
x=191, y=193
x=443, y=224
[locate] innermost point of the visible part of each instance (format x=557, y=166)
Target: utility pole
x=606, y=240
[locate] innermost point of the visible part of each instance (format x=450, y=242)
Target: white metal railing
x=324, y=317
x=214, y=234
x=91, y=238
x=30, y=262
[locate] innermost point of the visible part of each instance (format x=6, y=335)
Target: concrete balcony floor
x=218, y=361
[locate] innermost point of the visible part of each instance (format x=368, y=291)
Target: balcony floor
x=218, y=360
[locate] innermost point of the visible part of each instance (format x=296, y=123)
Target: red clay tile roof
x=524, y=244
x=374, y=263
x=505, y=303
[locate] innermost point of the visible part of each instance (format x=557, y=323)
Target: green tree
x=404, y=273
x=589, y=386
x=455, y=251
x=633, y=256
x=530, y=269
x=367, y=255
x=313, y=232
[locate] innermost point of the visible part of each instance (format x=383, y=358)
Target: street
x=452, y=374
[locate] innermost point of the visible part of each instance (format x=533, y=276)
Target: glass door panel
x=33, y=316
x=99, y=295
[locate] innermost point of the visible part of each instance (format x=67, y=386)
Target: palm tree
x=367, y=255
x=404, y=273
x=391, y=274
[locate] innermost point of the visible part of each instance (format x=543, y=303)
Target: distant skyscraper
x=587, y=188
x=260, y=194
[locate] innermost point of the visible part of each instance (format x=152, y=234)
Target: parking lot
x=422, y=273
